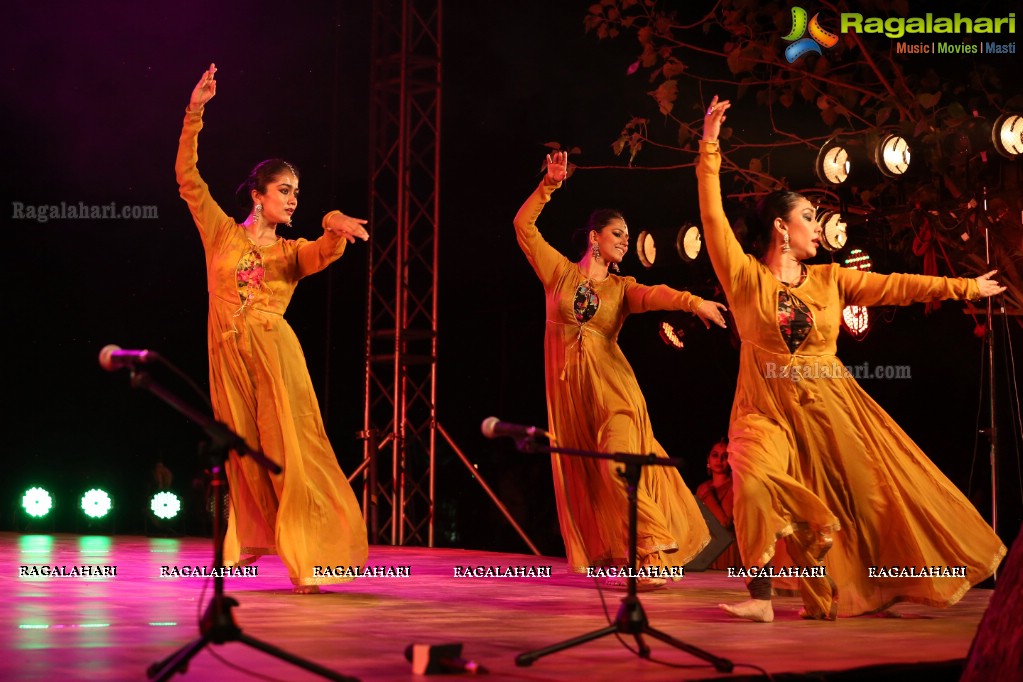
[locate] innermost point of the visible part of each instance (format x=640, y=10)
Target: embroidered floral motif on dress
x=794, y=318
x=586, y=303
x=250, y=274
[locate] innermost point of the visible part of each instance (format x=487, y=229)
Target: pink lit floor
x=113, y=628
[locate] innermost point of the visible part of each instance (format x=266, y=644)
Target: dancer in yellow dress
x=814, y=459
x=259, y=381
x=593, y=399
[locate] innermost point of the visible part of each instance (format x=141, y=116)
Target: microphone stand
x=631, y=619
x=217, y=625
x=989, y=338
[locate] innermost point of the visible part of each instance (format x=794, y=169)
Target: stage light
x=671, y=335
x=37, y=502
x=834, y=231
x=646, y=249
x=856, y=318
x=165, y=505
x=96, y=503
x=1007, y=135
x=833, y=162
x=891, y=155
x=691, y=243
x=684, y=242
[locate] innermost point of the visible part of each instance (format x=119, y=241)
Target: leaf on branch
x=575, y=150
x=787, y=99
x=685, y=134
x=955, y=111
x=556, y=146
x=829, y=116
x=806, y=89
x=672, y=67
x=756, y=165
x=619, y=145
x=928, y=100
x=883, y=114
x=741, y=60
x=634, y=147
x=666, y=94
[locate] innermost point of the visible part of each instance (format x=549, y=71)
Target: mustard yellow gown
x=261, y=389
x=814, y=454
x=594, y=403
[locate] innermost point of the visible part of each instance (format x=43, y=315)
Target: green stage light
x=165, y=505
x=96, y=503
x=37, y=502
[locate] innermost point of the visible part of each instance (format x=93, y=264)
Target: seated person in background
x=716, y=495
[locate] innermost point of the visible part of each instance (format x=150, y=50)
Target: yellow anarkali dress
x=594, y=403
x=261, y=389
x=813, y=456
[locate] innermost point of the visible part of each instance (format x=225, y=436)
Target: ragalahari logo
x=818, y=36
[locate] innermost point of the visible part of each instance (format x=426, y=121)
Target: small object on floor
x=434, y=659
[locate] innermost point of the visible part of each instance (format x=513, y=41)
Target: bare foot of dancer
x=756, y=610
x=306, y=589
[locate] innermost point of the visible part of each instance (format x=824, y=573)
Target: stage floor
x=114, y=627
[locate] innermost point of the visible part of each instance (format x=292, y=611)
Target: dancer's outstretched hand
x=204, y=90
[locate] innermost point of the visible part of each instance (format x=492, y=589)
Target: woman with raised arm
x=593, y=399
x=811, y=453
x=259, y=381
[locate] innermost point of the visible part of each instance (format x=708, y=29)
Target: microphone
x=113, y=357
x=493, y=428
x=429, y=659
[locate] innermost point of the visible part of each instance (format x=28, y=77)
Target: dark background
x=94, y=96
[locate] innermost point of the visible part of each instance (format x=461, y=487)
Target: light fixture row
x=96, y=503
x=892, y=153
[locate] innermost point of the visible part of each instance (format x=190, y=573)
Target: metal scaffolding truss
x=400, y=427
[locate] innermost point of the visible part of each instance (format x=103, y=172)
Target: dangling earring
x=785, y=248
x=595, y=251
x=259, y=213
x=614, y=268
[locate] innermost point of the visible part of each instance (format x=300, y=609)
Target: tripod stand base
x=631, y=620
x=218, y=627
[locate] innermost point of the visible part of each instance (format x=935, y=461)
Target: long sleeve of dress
x=870, y=288
x=314, y=256
x=544, y=258
x=726, y=254
x=640, y=298
x=208, y=216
